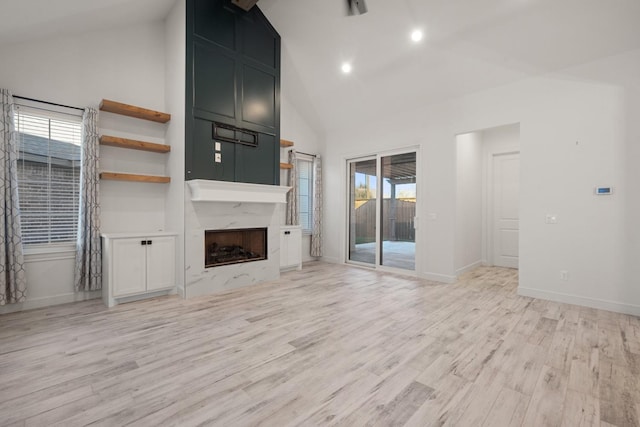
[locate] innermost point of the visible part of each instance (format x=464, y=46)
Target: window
x=49, y=157
x=305, y=193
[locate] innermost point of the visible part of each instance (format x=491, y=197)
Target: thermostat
x=603, y=191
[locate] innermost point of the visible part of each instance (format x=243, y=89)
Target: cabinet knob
x=149, y=242
x=287, y=232
x=143, y=242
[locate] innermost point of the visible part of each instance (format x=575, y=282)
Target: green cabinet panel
x=259, y=42
x=204, y=154
x=215, y=21
x=215, y=80
x=258, y=97
x=256, y=164
x=233, y=78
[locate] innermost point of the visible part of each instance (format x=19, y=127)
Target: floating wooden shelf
x=133, y=144
x=133, y=111
x=117, y=176
x=286, y=143
x=286, y=165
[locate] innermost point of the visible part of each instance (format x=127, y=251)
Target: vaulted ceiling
x=24, y=20
x=469, y=45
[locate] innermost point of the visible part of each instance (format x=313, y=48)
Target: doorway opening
x=487, y=198
x=382, y=211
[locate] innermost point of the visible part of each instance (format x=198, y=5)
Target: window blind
x=49, y=159
x=305, y=193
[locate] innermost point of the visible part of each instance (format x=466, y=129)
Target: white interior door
x=506, y=219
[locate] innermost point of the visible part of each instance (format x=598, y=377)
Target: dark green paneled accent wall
x=233, y=77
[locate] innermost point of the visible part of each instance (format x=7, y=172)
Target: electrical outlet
x=218, y=158
x=564, y=275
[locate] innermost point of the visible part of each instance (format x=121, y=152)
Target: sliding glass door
x=363, y=178
x=382, y=210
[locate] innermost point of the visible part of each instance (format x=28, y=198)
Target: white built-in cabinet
x=290, y=247
x=137, y=265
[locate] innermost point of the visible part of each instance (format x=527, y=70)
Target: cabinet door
x=284, y=249
x=128, y=269
x=161, y=261
x=294, y=255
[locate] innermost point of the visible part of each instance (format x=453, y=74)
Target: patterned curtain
x=316, y=234
x=88, y=271
x=13, y=281
x=293, y=213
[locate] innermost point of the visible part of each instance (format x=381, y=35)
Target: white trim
x=137, y=234
x=204, y=190
x=42, y=302
x=180, y=292
x=600, y=304
x=331, y=260
x=436, y=277
x=469, y=267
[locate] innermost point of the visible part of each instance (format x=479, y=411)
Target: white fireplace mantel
x=204, y=190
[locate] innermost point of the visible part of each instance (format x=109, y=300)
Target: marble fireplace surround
x=219, y=205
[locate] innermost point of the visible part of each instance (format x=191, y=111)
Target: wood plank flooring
x=328, y=345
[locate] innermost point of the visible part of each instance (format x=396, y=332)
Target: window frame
x=50, y=112
x=311, y=186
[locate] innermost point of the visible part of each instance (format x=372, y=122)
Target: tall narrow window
x=49, y=160
x=305, y=193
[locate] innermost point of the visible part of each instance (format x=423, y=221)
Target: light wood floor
x=329, y=345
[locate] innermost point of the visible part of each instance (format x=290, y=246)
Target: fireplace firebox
x=225, y=247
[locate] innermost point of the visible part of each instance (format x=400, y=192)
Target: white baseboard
x=436, y=277
x=30, y=304
x=331, y=260
x=600, y=304
x=469, y=267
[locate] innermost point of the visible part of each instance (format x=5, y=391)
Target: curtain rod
x=306, y=154
x=47, y=102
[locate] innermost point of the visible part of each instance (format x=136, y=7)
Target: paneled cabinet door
x=290, y=247
x=294, y=254
x=128, y=267
x=161, y=260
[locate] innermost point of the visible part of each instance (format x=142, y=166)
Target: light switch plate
x=218, y=146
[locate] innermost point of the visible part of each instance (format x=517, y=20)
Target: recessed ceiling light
x=346, y=68
x=416, y=35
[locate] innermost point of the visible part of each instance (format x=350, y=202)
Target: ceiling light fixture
x=416, y=35
x=346, y=68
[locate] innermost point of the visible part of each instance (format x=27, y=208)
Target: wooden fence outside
x=405, y=212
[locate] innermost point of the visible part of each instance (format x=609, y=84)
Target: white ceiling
x=33, y=19
x=470, y=45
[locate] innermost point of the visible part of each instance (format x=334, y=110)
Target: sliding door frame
x=379, y=202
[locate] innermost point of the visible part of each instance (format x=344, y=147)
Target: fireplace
x=225, y=247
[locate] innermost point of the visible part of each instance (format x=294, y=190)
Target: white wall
x=175, y=58
x=124, y=64
x=469, y=198
x=295, y=127
x=578, y=129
